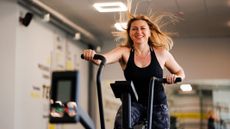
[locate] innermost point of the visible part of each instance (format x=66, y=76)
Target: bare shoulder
x=116, y=54
x=118, y=50
x=125, y=52
x=162, y=55
x=162, y=52
x=123, y=49
x=125, y=56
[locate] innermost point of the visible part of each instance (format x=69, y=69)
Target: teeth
x=139, y=36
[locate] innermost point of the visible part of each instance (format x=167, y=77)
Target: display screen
x=64, y=90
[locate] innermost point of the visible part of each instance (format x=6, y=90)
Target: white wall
x=204, y=58
x=42, y=44
x=24, y=84
x=8, y=24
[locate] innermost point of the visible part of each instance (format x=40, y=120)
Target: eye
x=143, y=28
x=133, y=28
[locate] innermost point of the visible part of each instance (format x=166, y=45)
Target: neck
x=141, y=49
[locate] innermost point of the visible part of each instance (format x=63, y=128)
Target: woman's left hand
x=171, y=78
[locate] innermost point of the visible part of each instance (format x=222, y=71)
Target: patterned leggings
x=138, y=115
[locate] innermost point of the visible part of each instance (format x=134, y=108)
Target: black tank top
x=141, y=79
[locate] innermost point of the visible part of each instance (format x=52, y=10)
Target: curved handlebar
x=97, y=57
x=164, y=80
x=100, y=101
x=151, y=97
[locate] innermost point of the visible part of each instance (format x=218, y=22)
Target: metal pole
x=100, y=101
x=150, y=103
x=126, y=110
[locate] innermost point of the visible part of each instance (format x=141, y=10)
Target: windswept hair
x=156, y=21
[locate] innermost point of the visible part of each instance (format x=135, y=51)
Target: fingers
x=171, y=78
x=88, y=54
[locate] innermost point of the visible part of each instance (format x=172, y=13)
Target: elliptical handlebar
x=100, y=101
x=164, y=80
x=151, y=97
x=97, y=57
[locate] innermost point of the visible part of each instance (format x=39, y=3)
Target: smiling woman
x=144, y=54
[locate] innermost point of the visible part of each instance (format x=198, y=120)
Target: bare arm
x=111, y=57
x=174, y=68
x=114, y=55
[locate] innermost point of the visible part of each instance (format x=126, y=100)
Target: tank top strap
x=131, y=52
x=132, y=49
x=151, y=49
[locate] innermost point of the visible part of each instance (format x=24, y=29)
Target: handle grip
x=96, y=57
x=164, y=80
x=82, y=56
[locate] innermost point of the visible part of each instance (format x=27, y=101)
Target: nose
x=138, y=30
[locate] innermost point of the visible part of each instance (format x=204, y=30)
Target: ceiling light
x=110, y=7
x=186, y=87
x=121, y=26
x=77, y=36
x=46, y=17
x=98, y=49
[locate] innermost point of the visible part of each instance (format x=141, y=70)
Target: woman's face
x=139, y=32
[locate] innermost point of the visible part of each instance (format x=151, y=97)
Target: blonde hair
x=158, y=38
x=155, y=22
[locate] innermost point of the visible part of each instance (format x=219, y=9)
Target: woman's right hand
x=88, y=54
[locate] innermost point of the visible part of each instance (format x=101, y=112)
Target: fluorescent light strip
x=186, y=87
x=110, y=7
x=121, y=26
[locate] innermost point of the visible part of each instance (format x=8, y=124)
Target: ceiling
x=201, y=18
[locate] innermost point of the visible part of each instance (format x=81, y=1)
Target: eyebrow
x=139, y=26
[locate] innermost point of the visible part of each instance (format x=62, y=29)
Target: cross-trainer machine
x=126, y=91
